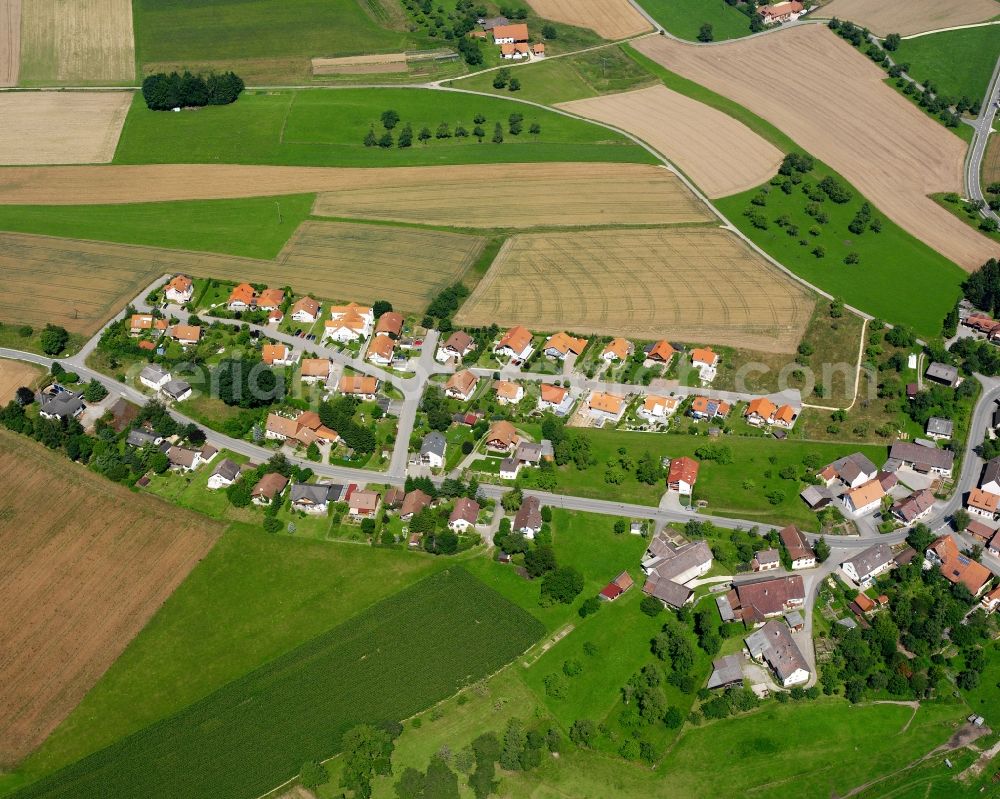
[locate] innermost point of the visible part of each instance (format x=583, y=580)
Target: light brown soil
x=61, y=127
x=905, y=17
x=721, y=155
x=77, y=43
x=446, y=195
x=80, y=284
x=84, y=564
x=13, y=375
x=842, y=112
x=612, y=19
x=360, y=64
x=991, y=162
x=682, y=284
x=10, y=41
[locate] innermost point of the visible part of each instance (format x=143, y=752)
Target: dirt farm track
x=76, y=586
x=683, y=284
x=880, y=142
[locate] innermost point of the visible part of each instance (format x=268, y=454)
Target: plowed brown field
x=84, y=564
x=720, y=154
x=612, y=19
x=910, y=16
x=61, y=127
x=10, y=41
x=13, y=375
x=683, y=284
x=844, y=114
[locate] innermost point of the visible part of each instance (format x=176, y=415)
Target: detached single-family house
x=943, y=373
x=276, y=355
x=390, y=324
x=991, y=600
x=706, y=362
x=956, y=567
x=182, y=459
x=509, y=393
x=225, y=474
x=464, y=515
x=773, y=644
x=983, y=503
x=349, y=322
x=313, y=498
x=313, y=370
x=766, y=560
x=554, y=398
x=727, y=672
x=241, y=298
x=361, y=386
x=561, y=344
x=926, y=460
x=618, y=350
x=140, y=438
x=659, y=353
x=781, y=12
x=657, y=409
x=683, y=475
x=515, y=344
x=516, y=51
x=270, y=300
x=306, y=310
x=798, y=549
x=180, y=290
x=154, y=376
x=760, y=411
x=268, y=487
x=852, y=470
x=458, y=345
x=275, y=317
x=668, y=568
x=785, y=416
x=185, y=334
x=528, y=519
x=606, y=407
x=866, y=498
x=756, y=601
x=708, y=408
x=864, y=567
x=938, y=428
x=509, y=34
x=363, y=504
x=280, y=428
x=461, y=385
x=914, y=507
x=414, y=502
x=143, y=322
x=502, y=436
x=991, y=477
x=509, y=468
x=64, y=405
x=381, y=350
x=176, y=390
x=432, y=450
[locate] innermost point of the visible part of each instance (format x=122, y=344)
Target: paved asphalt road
x=982, y=127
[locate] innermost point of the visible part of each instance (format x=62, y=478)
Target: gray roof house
x=528, y=452
x=64, y=405
x=433, y=447
x=528, y=519
x=140, y=438
x=726, y=671
x=922, y=459
x=939, y=428
x=942, y=373
x=227, y=471
x=773, y=643
x=154, y=375
x=867, y=565
x=177, y=389
x=309, y=497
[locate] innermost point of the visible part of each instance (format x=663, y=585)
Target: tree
x=705, y=33
x=563, y=584
x=960, y=519
x=94, y=391
x=589, y=607
x=822, y=549
x=24, y=396
x=583, y=732
x=497, y=134
x=892, y=42
x=515, y=85
x=512, y=500
x=549, y=31
x=385, y=140
x=159, y=462
x=405, y=137
x=313, y=774
x=651, y=606
x=424, y=135
x=514, y=741
x=499, y=82
x=389, y=119
x=367, y=752
x=540, y=560
x=53, y=339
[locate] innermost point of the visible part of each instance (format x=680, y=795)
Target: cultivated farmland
x=879, y=141
x=910, y=16
x=78, y=579
x=79, y=43
x=10, y=41
x=393, y=660
x=991, y=162
x=61, y=127
x=612, y=19
x=360, y=64
x=690, y=284
x=78, y=285
x=719, y=153
x=559, y=194
x=13, y=375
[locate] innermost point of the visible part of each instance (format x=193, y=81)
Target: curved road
x=982, y=127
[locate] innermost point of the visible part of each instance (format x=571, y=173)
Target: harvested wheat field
x=10, y=41
x=847, y=117
x=906, y=17
x=61, y=127
x=13, y=375
x=79, y=578
x=522, y=196
x=360, y=64
x=81, y=284
x=991, y=162
x=612, y=19
x=683, y=284
x=721, y=155
x=70, y=283
x=77, y=43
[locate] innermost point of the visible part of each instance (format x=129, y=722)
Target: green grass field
x=246, y=227
x=393, y=660
x=959, y=63
x=252, y=599
x=327, y=128
x=560, y=80
x=684, y=18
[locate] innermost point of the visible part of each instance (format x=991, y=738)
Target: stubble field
x=360, y=64
x=80, y=43
x=911, y=16
x=880, y=142
x=13, y=375
x=612, y=19
x=78, y=579
x=991, y=162
x=691, y=284
x=719, y=153
x=61, y=127
x=10, y=41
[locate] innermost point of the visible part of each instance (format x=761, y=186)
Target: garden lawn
x=898, y=278
x=959, y=63
x=252, y=599
x=328, y=128
x=395, y=659
x=252, y=227
x=986, y=697
x=684, y=18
